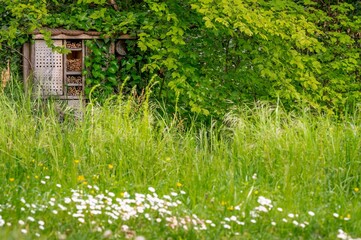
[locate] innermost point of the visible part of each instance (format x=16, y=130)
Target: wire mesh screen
x=48, y=69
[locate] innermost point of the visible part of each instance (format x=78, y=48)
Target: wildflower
x=348, y=217
x=36, y=177
x=81, y=178
x=311, y=213
x=42, y=182
x=253, y=221
x=336, y=215
x=342, y=235
x=21, y=222
x=233, y=218
x=76, y=161
x=107, y=234
x=24, y=231
x=58, y=185
x=291, y=215
x=356, y=189
x=167, y=197
x=254, y=214
x=264, y=201
x=279, y=209
x=47, y=177
x=226, y=226
x=254, y=177
x=230, y=208
x=139, y=238
x=179, y=184
x=11, y=179
x=110, y=166
x=261, y=209
x=273, y=223
x=151, y=189
x=124, y=228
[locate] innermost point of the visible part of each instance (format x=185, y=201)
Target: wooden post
x=26, y=64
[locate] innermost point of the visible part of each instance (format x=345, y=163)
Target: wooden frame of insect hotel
x=57, y=75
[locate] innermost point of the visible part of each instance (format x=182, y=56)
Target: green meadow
x=129, y=171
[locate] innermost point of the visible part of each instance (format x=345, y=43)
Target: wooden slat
x=81, y=36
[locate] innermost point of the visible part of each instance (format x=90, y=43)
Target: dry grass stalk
x=5, y=76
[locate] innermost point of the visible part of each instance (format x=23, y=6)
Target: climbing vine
x=102, y=70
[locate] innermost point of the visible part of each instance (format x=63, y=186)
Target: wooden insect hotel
x=57, y=75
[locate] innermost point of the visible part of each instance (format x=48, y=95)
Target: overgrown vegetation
x=263, y=174
x=226, y=120
x=208, y=56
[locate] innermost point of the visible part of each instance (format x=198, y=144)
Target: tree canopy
x=206, y=56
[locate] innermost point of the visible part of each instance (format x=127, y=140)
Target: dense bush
x=206, y=56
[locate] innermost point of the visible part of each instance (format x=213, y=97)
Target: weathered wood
x=80, y=37
x=26, y=64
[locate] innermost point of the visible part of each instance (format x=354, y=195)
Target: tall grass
x=300, y=161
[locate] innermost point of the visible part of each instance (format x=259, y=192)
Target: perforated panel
x=48, y=68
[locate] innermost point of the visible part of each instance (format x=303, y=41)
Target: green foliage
x=207, y=56
x=102, y=74
x=72, y=175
